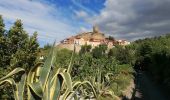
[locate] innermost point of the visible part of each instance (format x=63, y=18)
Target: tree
x=112, y=53
x=63, y=57
x=103, y=48
x=97, y=52
x=24, y=49
x=3, y=45
x=85, y=49
x=2, y=27
x=123, y=54
x=26, y=56
x=47, y=46
x=17, y=49
x=111, y=38
x=100, y=51
x=18, y=36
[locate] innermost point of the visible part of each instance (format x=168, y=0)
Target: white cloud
x=37, y=16
x=84, y=29
x=143, y=18
x=79, y=5
x=81, y=14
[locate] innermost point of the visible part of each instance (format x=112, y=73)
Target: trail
x=146, y=89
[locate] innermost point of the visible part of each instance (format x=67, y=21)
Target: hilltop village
x=94, y=38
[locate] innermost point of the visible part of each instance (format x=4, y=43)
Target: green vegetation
x=98, y=72
x=62, y=74
x=44, y=82
x=92, y=73
x=17, y=49
x=153, y=55
x=101, y=68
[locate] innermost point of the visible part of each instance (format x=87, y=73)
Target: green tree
x=47, y=46
x=99, y=51
x=26, y=56
x=4, y=45
x=85, y=49
x=23, y=49
x=122, y=54
x=17, y=49
x=2, y=40
x=18, y=36
x=63, y=57
x=112, y=53
x=2, y=27
x=111, y=38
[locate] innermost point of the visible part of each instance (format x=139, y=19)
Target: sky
x=59, y=19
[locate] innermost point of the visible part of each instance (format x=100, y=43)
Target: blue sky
x=52, y=19
x=58, y=19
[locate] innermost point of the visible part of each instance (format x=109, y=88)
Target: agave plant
x=42, y=82
x=102, y=86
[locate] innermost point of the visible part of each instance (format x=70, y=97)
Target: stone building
x=94, y=38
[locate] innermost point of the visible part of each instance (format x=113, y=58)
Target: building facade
x=94, y=38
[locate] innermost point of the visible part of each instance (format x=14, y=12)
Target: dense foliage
x=89, y=62
x=17, y=49
x=91, y=66
x=153, y=55
x=106, y=71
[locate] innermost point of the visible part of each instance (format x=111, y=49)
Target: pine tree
x=3, y=43
x=5, y=93
x=18, y=36
x=17, y=49
x=2, y=27
x=24, y=50
x=32, y=50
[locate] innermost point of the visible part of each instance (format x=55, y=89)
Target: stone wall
x=69, y=47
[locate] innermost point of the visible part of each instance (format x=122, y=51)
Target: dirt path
x=146, y=90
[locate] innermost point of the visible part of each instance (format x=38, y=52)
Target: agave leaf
x=66, y=94
x=32, y=71
x=21, y=87
x=72, y=95
x=71, y=61
x=60, y=70
x=67, y=80
x=36, y=88
x=53, y=88
x=98, y=80
x=30, y=95
x=47, y=92
x=78, y=84
x=16, y=70
x=56, y=87
x=111, y=93
x=107, y=76
x=30, y=79
x=45, y=71
x=75, y=83
x=12, y=82
x=57, y=84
